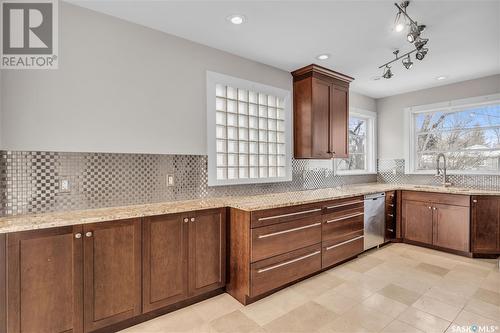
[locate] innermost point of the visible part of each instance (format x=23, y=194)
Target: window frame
x=212, y=79
x=371, y=144
x=410, y=138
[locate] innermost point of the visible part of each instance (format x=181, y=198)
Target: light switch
x=64, y=185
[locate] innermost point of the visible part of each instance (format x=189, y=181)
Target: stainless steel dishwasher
x=374, y=220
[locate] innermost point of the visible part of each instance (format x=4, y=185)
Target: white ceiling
x=464, y=35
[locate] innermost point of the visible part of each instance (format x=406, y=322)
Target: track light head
x=407, y=62
x=415, y=31
x=404, y=4
x=420, y=55
x=387, y=73
x=420, y=43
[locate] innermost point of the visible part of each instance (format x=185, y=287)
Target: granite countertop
x=248, y=203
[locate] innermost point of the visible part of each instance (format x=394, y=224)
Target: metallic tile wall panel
x=393, y=171
x=30, y=181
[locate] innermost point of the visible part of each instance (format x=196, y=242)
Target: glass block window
x=252, y=132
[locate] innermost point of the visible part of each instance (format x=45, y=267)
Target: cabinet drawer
x=338, y=228
x=437, y=198
x=285, y=237
x=338, y=206
x=335, y=253
x=279, y=215
x=275, y=272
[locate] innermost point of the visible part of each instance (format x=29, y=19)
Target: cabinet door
x=112, y=272
x=321, y=104
x=417, y=221
x=164, y=260
x=339, y=120
x=207, y=251
x=44, y=281
x=451, y=227
x=486, y=224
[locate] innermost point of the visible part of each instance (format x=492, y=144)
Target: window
x=249, y=132
x=466, y=131
x=362, y=143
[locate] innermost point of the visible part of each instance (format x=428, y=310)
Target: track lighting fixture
x=420, y=55
x=387, y=73
x=407, y=62
x=413, y=36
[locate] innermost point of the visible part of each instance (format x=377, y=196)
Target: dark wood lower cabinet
x=417, y=221
x=451, y=227
x=439, y=220
x=207, y=251
x=486, y=224
x=44, y=281
x=112, y=272
x=165, y=260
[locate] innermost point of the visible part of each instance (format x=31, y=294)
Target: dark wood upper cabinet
x=112, y=272
x=207, y=251
x=165, y=260
x=486, y=224
x=44, y=281
x=321, y=113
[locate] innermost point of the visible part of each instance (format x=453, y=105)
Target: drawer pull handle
x=390, y=215
x=262, y=270
x=289, y=230
x=391, y=230
x=392, y=205
x=350, y=203
x=345, y=217
x=289, y=214
x=343, y=243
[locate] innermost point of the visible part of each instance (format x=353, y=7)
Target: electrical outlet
x=64, y=185
x=170, y=180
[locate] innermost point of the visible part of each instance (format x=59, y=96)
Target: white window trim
x=448, y=106
x=214, y=78
x=371, y=140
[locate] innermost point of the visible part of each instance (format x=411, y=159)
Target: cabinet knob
x=474, y=201
x=186, y=219
x=88, y=234
x=78, y=235
x=430, y=207
x=192, y=219
x=434, y=208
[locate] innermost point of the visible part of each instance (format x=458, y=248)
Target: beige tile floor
x=398, y=288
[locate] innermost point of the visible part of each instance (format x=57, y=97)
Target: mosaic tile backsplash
x=31, y=181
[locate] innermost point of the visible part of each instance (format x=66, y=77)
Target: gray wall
x=121, y=87
x=391, y=115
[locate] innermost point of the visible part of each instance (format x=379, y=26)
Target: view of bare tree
x=469, y=138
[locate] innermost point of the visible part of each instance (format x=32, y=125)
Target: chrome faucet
x=442, y=171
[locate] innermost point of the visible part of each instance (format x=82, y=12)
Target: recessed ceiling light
x=236, y=19
x=323, y=56
x=442, y=77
